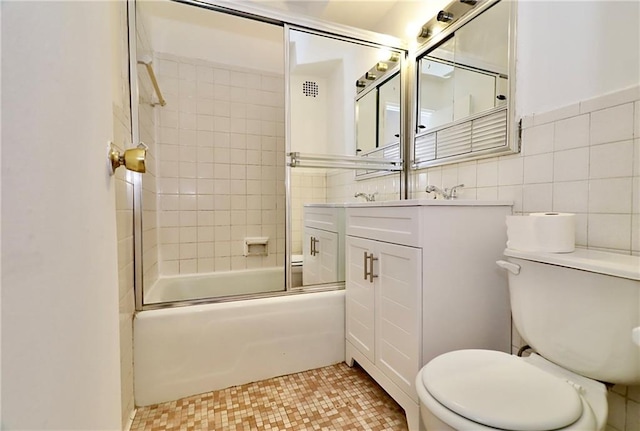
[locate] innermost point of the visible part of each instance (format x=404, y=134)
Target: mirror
x=463, y=90
x=323, y=75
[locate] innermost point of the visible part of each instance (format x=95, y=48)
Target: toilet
x=580, y=313
x=297, y=263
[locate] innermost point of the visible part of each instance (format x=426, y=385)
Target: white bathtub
x=185, y=351
x=216, y=284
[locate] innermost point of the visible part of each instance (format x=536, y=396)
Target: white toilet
x=580, y=312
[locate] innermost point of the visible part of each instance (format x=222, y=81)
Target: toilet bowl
x=579, y=313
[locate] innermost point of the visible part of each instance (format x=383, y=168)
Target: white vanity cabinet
x=323, y=244
x=421, y=280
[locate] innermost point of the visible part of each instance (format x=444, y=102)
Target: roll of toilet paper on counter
x=549, y=232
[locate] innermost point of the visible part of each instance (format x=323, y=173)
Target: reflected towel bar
x=154, y=81
x=342, y=162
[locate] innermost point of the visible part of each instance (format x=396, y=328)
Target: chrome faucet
x=369, y=197
x=448, y=194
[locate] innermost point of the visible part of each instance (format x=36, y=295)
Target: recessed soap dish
x=256, y=246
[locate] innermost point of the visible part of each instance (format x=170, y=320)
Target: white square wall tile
x=450, y=176
x=633, y=416
x=538, y=168
x=635, y=246
x=636, y=119
x=611, y=196
x=616, y=417
x=581, y=229
x=572, y=133
x=511, y=194
x=510, y=170
x=611, y=160
x=636, y=157
x=487, y=193
x=467, y=174
x=487, y=174
x=571, y=196
x=571, y=165
x=612, y=124
x=610, y=231
x=537, y=197
x=538, y=139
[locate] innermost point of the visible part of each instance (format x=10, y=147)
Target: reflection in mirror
x=213, y=198
x=463, y=91
x=366, y=112
x=389, y=112
x=322, y=85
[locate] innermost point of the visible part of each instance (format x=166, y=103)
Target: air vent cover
x=310, y=88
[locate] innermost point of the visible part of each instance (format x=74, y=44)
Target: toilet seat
x=489, y=390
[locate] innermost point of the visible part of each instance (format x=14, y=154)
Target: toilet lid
x=501, y=391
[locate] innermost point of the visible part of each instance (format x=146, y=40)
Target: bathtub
x=215, y=284
x=189, y=350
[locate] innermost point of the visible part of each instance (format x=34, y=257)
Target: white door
x=398, y=311
x=360, y=298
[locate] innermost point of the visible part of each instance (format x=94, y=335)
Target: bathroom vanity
x=323, y=244
x=421, y=280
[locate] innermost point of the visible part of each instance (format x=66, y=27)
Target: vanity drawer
x=397, y=225
x=325, y=218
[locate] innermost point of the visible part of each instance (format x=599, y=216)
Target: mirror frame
x=513, y=132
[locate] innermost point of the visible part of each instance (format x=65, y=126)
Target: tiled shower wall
x=221, y=166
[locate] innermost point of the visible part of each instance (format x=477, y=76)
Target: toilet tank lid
x=614, y=264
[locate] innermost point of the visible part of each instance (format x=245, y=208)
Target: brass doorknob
x=133, y=159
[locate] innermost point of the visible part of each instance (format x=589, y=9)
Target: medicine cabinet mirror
x=465, y=81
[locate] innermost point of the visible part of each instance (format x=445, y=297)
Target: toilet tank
x=580, y=310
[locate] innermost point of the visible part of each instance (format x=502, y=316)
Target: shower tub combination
x=187, y=350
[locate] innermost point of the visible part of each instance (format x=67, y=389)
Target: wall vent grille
x=310, y=88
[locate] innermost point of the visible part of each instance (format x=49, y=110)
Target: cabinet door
x=321, y=263
x=359, y=298
x=398, y=313
x=310, y=268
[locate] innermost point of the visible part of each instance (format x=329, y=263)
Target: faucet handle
x=453, y=192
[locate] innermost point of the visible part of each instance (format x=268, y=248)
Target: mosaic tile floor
x=326, y=399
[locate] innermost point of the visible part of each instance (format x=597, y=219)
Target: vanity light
x=387, y=55
x=370, y=76
x=382, y=66
x=444, y=16
x=394, y=57
x=469, y=2
x=424, y=32
x=360, y=83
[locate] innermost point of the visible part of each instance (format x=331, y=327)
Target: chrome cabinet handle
x=369, y=273
x=371, y=260
x=365, y=265
x=313, y=250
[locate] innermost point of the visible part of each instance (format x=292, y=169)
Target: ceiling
x=383, y=16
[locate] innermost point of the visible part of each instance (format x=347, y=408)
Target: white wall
x=60, y=364
x=192, y=32
x=572, y=51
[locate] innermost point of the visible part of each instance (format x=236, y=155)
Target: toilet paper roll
x=549, y=232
